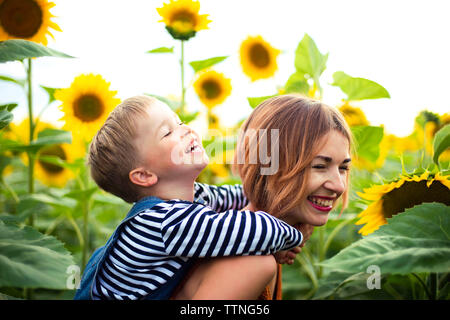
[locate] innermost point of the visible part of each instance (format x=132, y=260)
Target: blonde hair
x=112, y=153
x=301, y=123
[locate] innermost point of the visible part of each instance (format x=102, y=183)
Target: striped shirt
x=158, y=241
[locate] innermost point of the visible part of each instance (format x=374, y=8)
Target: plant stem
x=31, y=158
x=30, y=97
x=332, y=235
x=77, y=229
x=83, y=181
x=423, y=285
x=10, y=190
x=183, y=89
x=321, y=254
x=434, y=285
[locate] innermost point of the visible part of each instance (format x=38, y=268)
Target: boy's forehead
x=157, y=113
x=159, y=108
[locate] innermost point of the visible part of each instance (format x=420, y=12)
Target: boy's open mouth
x=321, y=203
x=193, y=147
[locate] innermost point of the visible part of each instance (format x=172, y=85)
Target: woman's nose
x=336, y=182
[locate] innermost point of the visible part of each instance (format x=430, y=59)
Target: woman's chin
x=318, y=220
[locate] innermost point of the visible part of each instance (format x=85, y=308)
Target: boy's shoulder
x=167, y=205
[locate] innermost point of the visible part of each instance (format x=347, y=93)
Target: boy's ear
x=143, y=177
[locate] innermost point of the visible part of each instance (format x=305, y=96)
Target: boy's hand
x=306, y=230
x=286, y=256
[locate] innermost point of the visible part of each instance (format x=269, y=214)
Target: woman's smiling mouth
x=321, y=203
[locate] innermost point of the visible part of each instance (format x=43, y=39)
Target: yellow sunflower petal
x=86, y=104
x=26, y=19
x=212, y=88
x=258, y=58
x=443, y=179
x=354, y=116
x=182, y=19
x=397, y=196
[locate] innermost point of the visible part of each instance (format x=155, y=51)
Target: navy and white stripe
x=156, y=243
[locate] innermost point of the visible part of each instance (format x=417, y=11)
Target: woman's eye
x=318, y=166
x=168, y=133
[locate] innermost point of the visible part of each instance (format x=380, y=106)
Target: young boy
x=145, y=154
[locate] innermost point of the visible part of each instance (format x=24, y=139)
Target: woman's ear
x=143, y=177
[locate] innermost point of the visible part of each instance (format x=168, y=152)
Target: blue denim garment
x=97, y=258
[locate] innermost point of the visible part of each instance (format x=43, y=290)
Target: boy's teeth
x=192, y=147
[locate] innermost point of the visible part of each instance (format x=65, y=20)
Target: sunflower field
x=391, y=242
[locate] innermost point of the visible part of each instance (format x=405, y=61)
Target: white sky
x=402, y=45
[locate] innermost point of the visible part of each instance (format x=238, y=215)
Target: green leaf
x=6, y=117
x=441, y=142
x=359, y=88
x=81, y=195
x=18, y=49
x=52, y=136
x=297, y=83
x=30, y=259
x=25, y=208
x=20, y=82
x=161, y=50
x=203, y=64
x=9, y=107
x=51, y=93
x=367, y=141
x=417, y=240
x=187, y=117
x=45, y=137
x=60, y=202
x=255, y=101
x=308, y=59
x=57, y=161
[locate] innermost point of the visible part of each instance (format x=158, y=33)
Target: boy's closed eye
x=168, y=131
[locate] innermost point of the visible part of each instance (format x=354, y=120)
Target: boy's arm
x=197, y=231
x=220, y=198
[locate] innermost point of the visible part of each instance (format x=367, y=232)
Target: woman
x=302, y=148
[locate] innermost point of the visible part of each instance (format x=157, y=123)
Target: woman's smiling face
x=326, y=179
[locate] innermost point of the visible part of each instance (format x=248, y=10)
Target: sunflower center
x=183, y=21
x=54, y=150
x=413, y=193
x=259, y=56
x=211, y=88
x=20, y=18
x=88, y=108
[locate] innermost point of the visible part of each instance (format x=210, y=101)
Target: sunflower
x=258, y=58
x=182, y=18
x=212, y=88
x=47, y=173
x=52, y=174
x=397, y=196
x=26, y=19
x=86, y=104
x=353, y=115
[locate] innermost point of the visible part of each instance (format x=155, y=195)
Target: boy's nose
x=186, y=130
